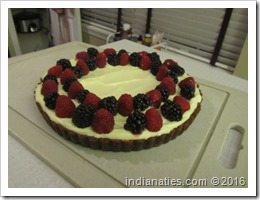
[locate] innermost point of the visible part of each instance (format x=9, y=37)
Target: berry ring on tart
x=118, y=101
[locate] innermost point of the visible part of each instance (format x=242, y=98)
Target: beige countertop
x=35, y=166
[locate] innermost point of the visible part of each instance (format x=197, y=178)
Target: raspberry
x=171, y=111
x=74, y=89
x=82, y=116
x=64, y=107
x=125, y=104
x=143, y=53
x=55, y=70
x=121, y=52
x=48, y=87
x=109, y=51
x=155, y=98
x=187, y=82
x=92, y=100
x=66, y=74
x=145, y=63
x=109, y=103
x=101, y=60
x=123, y=58
x=81, y=64
x=183, y=103
x=82, y=55
x=168, y=82
x=170, y=63
x=141, y=102
x=103, y=121
x=162, y=73
x=135, y=123
x=153, y=120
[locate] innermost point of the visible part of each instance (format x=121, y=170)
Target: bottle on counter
x=147, y=39
x=126, y=31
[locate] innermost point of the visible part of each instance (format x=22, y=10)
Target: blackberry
x=113, y=59
x=50, y=100
x=164, y=92
x=92, y=52
x=135, y=123
x=134, y=59
x=120, y=52
x=82, y=116
x=156, y=62
x=68, y=83
x=153, y=56
x=188, y=92
x=81, y=95
x=77, y=71
x=91, y=63
x=65, y=63
x=141, y=102
x=109, y=103
x=178, y=70
x=174, y=76
x=50, y=77
x=171, y=111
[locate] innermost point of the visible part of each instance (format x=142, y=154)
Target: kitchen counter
x=35, y=166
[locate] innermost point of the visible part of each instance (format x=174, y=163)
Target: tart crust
x=116, y=144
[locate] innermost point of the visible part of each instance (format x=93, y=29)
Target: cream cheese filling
x=115, y=81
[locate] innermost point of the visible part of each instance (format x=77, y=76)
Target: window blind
x=234, y=38
x=107, y=17
x=191, y=31
x=196, y=30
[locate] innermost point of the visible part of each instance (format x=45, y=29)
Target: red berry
x=109, y=51
x=48, y=87
x=162, y=72
x=183, y=103
x=55, y=70
x=82, y=66
x=92, y=100
x=101, y=60
x=64, y=107
x=143, y=53
x=124, y=59
x=155, y=98
x=170, y=63
x=125, y=104
x=187, y=82
x=74, y=89
x=153, y=120
x=66, y=74
x=145, y=63
x=103, y=121
x=168, y=82
x=82, y=55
